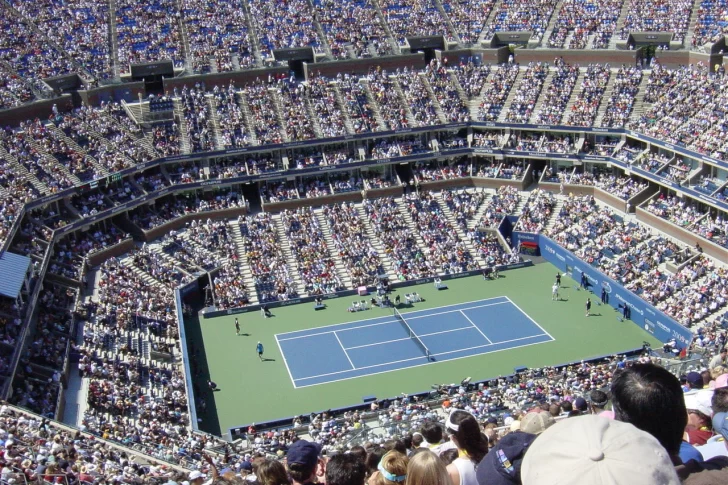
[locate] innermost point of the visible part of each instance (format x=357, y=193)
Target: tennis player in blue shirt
x=259, y=348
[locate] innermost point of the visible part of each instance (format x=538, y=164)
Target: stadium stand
x=99, y=188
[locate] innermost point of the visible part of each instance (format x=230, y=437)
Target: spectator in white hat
x=597, y=451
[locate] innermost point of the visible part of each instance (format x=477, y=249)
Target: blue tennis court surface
x=383, y=344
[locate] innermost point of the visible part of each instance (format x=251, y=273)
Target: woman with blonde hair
x=392, y=469
x=426, y=468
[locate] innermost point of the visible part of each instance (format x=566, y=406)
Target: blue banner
x=643, y=314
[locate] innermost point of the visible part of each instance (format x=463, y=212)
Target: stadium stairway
x=373, y=104
x=248, y=118
x=20, y=169
x=274, y=97
x=344, y=111
x=455, y=82
x=75, y=146
x=640, y=106
x=512, y=94
x=458, y=229
x=620, y=24
x=552, y=24
x=608, y=91
x=554, y=217
x=238, y=238
x=156, y=247
x=474, y=222
x=433, y=97
x=576, y=94
x=402, y=203
x=288, y=253
x=340, y=266
x=146, y=277
x=59, y=166
x=474, y=102
x=377, y=243
x=448, y=20
x=403, y=100
x=693, y=21
x=542, y=96
x=308, y=106
x=184, y=137
x=215, y=123
x=489, y=21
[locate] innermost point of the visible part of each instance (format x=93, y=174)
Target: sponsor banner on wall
x=646, y=316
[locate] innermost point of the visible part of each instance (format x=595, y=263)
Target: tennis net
x=412, y=334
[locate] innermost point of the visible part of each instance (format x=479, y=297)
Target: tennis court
x=410, y=339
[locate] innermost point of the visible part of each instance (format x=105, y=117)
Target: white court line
x=386, y=316
x=353, y=367
x=529, y=317
x=476, y=327
x=420, y=357
x=418, y=365
x=406, y=315
x=286, y=362
x=407, y=338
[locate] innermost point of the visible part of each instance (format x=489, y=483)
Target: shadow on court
x=209, y=420
x=268, y=360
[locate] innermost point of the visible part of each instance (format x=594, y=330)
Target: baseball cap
x=597, y=451
x=720, y=424
x=304, y=453
x=720, y=381
x=195, y=474
x=580, y=404
x=246, y=465
x=502, y=464
x=699, y=401
x=536, y=423
x=695, y=379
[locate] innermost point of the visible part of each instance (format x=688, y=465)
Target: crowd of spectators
x=298, y=124
x=496, y=92
x=471, y=77
x=149, y=32
x=444, y=251
x=680, y=212
x=710, y=23
x=198, y=114
x=217, y=32
x=625, y=89
x=358, y=104
x=419, y=103
x=322, y=98
x=582, y=19
x=283, y=25
x=529, y=15
x=623, y=187
x=536, y=211
x=557, y=94
x=397, y=238
x=80, y=28
x=230, y=117
x=657, y=16
x=265, y=121
x=503, y=203
x=585, y=108
x=352, y=24
x=527, y=93
x=453, y=108
x=412, y=18
x=353, y=245
x=264, y=254
x=306, y=239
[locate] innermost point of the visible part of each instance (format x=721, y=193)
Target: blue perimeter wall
x=645, y=315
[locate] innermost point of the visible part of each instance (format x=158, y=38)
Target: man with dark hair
x=360, y=452
x=598, y=401
x=650, y=398
x=432, y=432
x=345, y=469
x=303, y=462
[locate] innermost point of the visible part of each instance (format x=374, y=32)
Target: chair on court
x=364, y=305
x=356, y=306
